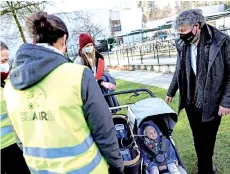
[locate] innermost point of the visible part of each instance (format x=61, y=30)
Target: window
x=116, y=25
x=116, y=22
x=116, y=28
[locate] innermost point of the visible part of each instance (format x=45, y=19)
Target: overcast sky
x=77, y=5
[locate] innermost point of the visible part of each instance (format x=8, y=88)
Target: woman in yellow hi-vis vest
x=12, y=160
x=57, y=109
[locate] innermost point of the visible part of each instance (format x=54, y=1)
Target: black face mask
x=188, y=38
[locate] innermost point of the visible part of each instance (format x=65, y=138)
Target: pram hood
x=152, y=107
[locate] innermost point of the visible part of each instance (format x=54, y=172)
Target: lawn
x=182, y=134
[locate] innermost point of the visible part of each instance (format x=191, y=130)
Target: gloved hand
x=113, y=170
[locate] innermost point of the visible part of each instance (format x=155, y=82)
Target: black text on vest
x=40, y=116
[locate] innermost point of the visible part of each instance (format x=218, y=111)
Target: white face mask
x=88, y=50
x=4, y=67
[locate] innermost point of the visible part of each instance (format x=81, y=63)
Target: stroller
x=130, y=128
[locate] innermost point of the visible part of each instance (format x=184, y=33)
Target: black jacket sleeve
x=100, y=122
x=225, y=102
x=174, y=83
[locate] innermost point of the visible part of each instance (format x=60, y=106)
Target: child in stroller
x=135, y=130
x=157, y=151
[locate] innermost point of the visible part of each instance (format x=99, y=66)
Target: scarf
x=194, y=84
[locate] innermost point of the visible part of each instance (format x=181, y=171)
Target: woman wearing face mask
x=91, y=58
x=12, y=157
x=56, y=108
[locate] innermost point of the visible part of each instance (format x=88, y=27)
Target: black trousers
x=12, y=161
x=204, y=135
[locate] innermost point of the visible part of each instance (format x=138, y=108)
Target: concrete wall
x=167, y=68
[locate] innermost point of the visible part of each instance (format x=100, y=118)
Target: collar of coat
x=217, y=38
x=214, y=44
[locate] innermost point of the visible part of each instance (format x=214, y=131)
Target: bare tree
x=207, y=3
x=14, y=13
x=183, y=5
x=151, y=11
x=84, y=24
x=186, y=5
x=143, y=6
x=167, y=11
x=154, y=11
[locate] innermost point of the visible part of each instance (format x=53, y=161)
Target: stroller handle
x=135, y=91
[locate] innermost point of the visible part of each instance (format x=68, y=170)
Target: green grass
x=182, y=134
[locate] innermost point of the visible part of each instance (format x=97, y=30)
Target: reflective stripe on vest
x=6, y=130
x=59, y=152
x=49, y=120
x=3, y=116
x=84, y=170
x=7, y=133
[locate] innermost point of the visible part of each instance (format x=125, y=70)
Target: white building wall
x=209, y=10
x=114, y=15
x=131, y=19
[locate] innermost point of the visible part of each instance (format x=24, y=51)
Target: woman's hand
x=108, y=85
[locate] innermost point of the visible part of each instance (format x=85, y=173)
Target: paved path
x=144, y=77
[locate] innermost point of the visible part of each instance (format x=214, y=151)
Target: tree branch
x=13, y=8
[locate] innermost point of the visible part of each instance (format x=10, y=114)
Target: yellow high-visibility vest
x=7, y=133
x=49, y=120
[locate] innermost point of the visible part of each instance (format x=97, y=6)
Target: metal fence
x=140, y=51
x=226, y=31
x=154, y=52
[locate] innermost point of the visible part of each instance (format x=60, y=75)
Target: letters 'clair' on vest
x=49, y=120
x=7, y=133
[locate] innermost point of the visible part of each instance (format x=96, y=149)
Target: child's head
x=151, y=132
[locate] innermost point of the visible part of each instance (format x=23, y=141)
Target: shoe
x=214, y=168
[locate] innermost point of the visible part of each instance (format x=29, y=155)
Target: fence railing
x=226, y=31
x=141, y=51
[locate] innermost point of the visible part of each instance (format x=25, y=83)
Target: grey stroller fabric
x=152, y=107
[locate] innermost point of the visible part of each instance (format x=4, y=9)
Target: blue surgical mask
x=88, y=50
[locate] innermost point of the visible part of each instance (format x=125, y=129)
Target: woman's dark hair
x=85, y=61
x=3, y=46
x=46, y=28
